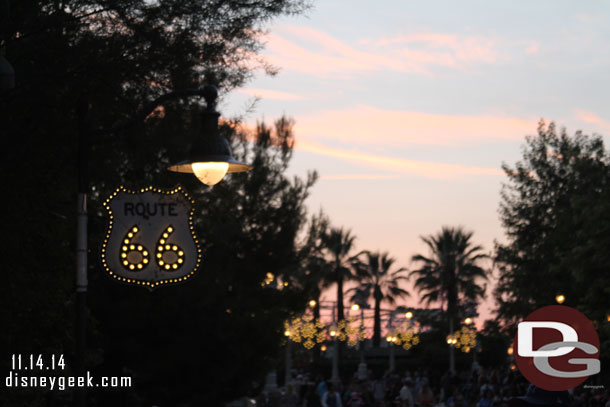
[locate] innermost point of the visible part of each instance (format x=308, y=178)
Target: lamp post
x=335, y=372
x=391, y=340
x=361, y=303
x=210, y=160
x=288, y=367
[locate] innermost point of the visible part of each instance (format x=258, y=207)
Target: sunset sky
x=408, y=109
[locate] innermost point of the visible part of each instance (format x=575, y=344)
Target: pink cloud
x=456, y=47
x=592, y=118
x=402, y=166
x=367, y=125
x=269, y=94
x=359, y=176
x=305, y=49
x=333, y=59
x=532, y=49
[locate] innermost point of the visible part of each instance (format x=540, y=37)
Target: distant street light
x=312, y=303
x=560, y=298
x=409, y=315
x=355, y=307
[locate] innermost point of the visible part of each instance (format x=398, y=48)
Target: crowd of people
x=422, y=388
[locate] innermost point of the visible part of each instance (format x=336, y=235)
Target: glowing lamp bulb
x=210, y=173
x=409, y=315
x=468, y=321
x=355, y=307
x=560, y=299
x=312, y=303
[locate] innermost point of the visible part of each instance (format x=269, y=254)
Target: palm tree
x=451, y=272
x=377, y=279
x=339, y=243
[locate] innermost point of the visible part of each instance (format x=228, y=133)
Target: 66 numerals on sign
x=135, y=256
x=150, y=239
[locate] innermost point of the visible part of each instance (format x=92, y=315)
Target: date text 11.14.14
x=37, y=362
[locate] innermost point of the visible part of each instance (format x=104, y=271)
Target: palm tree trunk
x=377, y=324
x=340, y=313
x=452, y=311
x=451, y=349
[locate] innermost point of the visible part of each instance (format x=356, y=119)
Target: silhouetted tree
x=451, y=272
x=378, y=280
x=119, y=55
x=339, y=243
x=555, y=210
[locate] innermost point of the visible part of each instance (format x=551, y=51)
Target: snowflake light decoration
x=347, y=331
x=306, y=330
x=405, y=336
x=465, y=339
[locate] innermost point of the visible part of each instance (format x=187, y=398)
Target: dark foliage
x=556, y=214
x=117, y=56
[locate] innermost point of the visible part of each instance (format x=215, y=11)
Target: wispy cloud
x=308, y=50
x=593, y=118
x=532, y=48
x=360, y=176
x=401, y=166
x=367, y=125
x=446, y=49
x=269, y=94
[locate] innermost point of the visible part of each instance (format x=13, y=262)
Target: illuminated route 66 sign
x=150, y=239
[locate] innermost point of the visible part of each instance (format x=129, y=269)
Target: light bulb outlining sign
x=150, y=239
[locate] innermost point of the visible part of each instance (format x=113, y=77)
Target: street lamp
x=210, y=158
x=560, y=298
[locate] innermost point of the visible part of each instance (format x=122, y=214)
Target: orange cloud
x=366, y=125
x=399, y=165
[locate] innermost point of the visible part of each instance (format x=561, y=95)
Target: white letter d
x=525, y=338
